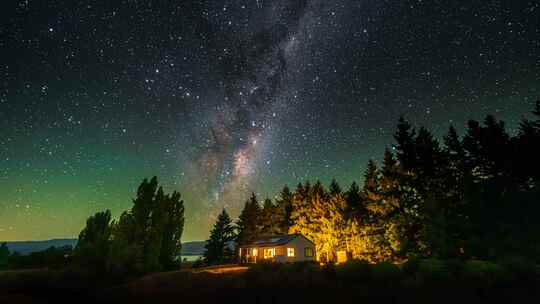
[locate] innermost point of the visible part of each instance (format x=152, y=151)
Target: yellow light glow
x=290, y=252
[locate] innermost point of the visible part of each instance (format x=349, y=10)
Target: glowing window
x=308, y=252
x=254, y=251
x=290, y=252
x=269, y=253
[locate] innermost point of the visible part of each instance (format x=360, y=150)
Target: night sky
x=221, y=98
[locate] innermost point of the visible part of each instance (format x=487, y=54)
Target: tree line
x=474, y=196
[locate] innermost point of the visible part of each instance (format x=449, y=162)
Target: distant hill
x=193, y=248
x=27, y=247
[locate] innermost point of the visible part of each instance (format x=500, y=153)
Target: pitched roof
x=275, y=240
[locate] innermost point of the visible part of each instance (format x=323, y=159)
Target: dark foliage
x=217, y=248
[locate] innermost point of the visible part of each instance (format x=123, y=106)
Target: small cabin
x=281, y=249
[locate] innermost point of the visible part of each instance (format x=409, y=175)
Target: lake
x=191, y=258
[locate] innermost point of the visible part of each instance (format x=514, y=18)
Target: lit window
x=269, y=253
x=308, y=252
x=290, y=252
x=254, y=251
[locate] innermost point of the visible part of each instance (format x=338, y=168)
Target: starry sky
x=219, y=98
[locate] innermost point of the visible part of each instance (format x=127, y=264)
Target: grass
x=354, y=281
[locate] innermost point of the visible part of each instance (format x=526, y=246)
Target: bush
x=386, y=272
x=295, y=275
x=433, y=270
x=483, y=273
x=354, y=271
x=520, y=267
x=410, y=267
x=198, y=263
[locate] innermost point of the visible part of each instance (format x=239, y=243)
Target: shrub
x=295, y=275
x=410, y=267
x=354, y=271
x=433, y=270
x=520, y=267
x=483, y=273
x=198, y=263
x=386, y=272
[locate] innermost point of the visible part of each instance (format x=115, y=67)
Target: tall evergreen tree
x=334, y=187
x=453, y=144
x=269, y=220
x=405, y=148
x=370, y=178
x=248, y=224
x=217, y=250
x=283, y=210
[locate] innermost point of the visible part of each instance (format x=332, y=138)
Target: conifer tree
x=334, y=187
x=217, y=250
x=248, y=225
x=283, y=210
x=353, y=198
x=269, y=221
x=404, y=137
x=370, y=178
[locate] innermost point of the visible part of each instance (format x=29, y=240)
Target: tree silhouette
x=217, y=250
x=147, y=238
x=334, y=187
x=248, y=225
x=94, y=241
x=4, y=255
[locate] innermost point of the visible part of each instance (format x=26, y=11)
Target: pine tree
x=428, y=157
x=217, y=250
x=389, y=169
x=453, y=144
x=248, y=224
x=405, y=148
x=334, y=188
x=269, y=219
x=283, y=210
x=370, y=178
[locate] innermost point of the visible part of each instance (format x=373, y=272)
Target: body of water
x=191, y=258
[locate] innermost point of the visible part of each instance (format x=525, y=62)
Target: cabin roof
x=275, y=240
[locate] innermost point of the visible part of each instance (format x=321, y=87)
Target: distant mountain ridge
x=27, y=247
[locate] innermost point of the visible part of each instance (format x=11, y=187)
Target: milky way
x=254, y=65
